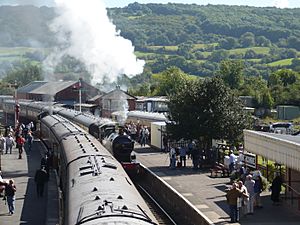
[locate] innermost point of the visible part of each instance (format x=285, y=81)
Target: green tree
x=228, y=43
x=24, y=73
x=247, y=39
x=263, y=41
x=267, y=100
x=169, y=81
x=295, y=65
x=6, y=89
x=204, y=110
x=250, y=54
x=219, y=55
x=285, y=77
x=232, y=73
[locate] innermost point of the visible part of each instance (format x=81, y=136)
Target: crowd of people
x=138, y=132
x=179, y=155
x=21, y=138
x=244, y=195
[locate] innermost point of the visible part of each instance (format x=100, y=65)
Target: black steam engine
x=105, y=130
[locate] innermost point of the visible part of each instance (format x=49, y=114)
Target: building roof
x=117, y=93
x=95, y=98
x=281, y=148
x=52, y=88
x=31, y=86
x=153, y=99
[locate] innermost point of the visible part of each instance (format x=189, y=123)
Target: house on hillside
x=65, y=92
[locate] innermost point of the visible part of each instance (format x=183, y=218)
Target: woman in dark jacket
x=276, y=189
x=10, y=192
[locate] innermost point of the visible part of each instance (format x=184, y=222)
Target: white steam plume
x=85, y=32
x=281, y=4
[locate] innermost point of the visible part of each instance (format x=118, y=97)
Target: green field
x=16, y=50
x=203, y=46
x=144, y=54
x=283, y=62
x=16, y=53
x=257, y=50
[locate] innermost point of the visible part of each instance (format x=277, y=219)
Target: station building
x=117, y=100
x=284, y=151
x=65, y=92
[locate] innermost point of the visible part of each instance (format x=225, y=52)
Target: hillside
x=25, y=26
x=194, y=38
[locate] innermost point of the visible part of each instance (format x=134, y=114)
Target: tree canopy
x=206, y=109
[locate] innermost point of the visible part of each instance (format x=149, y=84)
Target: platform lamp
x=78, y=86
x=17, y=106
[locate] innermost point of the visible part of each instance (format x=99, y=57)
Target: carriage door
x=149, y=106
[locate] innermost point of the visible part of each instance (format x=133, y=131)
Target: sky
x=122, y=3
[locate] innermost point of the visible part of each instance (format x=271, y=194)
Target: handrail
x=291, y=188
x=294, y=195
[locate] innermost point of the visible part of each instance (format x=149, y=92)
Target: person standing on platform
x=276, y=189
x=195, y=157
x=40, y=178
x=182, y=156
x=243, y=200
x=20, y=145
x=10, y=192
x=249, y=183
x=2, y=144
x=232, y=197
x=2, y=184
x=29, y=140
x=232, y=160
x=172, y=155
x=258, y=188
x=165, y=143
x=9, y=141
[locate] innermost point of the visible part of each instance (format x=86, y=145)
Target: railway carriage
x=100, y=128
x=95, y=187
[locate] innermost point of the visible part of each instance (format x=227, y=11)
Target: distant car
x=282, y=128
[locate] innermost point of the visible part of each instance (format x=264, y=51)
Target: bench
x=219, y=170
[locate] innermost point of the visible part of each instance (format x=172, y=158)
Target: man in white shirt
x=2, y=144
x=9, y=143
x=232, y=159
x=172, y=155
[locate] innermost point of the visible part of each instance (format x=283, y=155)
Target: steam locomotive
x=95, y=187
x=106, y=131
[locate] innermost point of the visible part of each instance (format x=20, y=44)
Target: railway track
x=160, y=214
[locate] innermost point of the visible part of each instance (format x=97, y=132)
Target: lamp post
x=77, y=87
x=80, y=93
x=17, y=106
x=79, y=99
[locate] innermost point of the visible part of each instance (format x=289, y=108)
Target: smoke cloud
x=281, y=4
x=85, y=32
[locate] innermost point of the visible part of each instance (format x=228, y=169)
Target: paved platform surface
x=30, y=209
x=207, y=194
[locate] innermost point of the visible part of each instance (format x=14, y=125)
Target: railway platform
x=208, y=194
x=29, y=209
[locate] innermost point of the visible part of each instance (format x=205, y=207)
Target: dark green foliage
x=22, y=74
x=232, y=73
x=206, y=109
x=265, y=24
